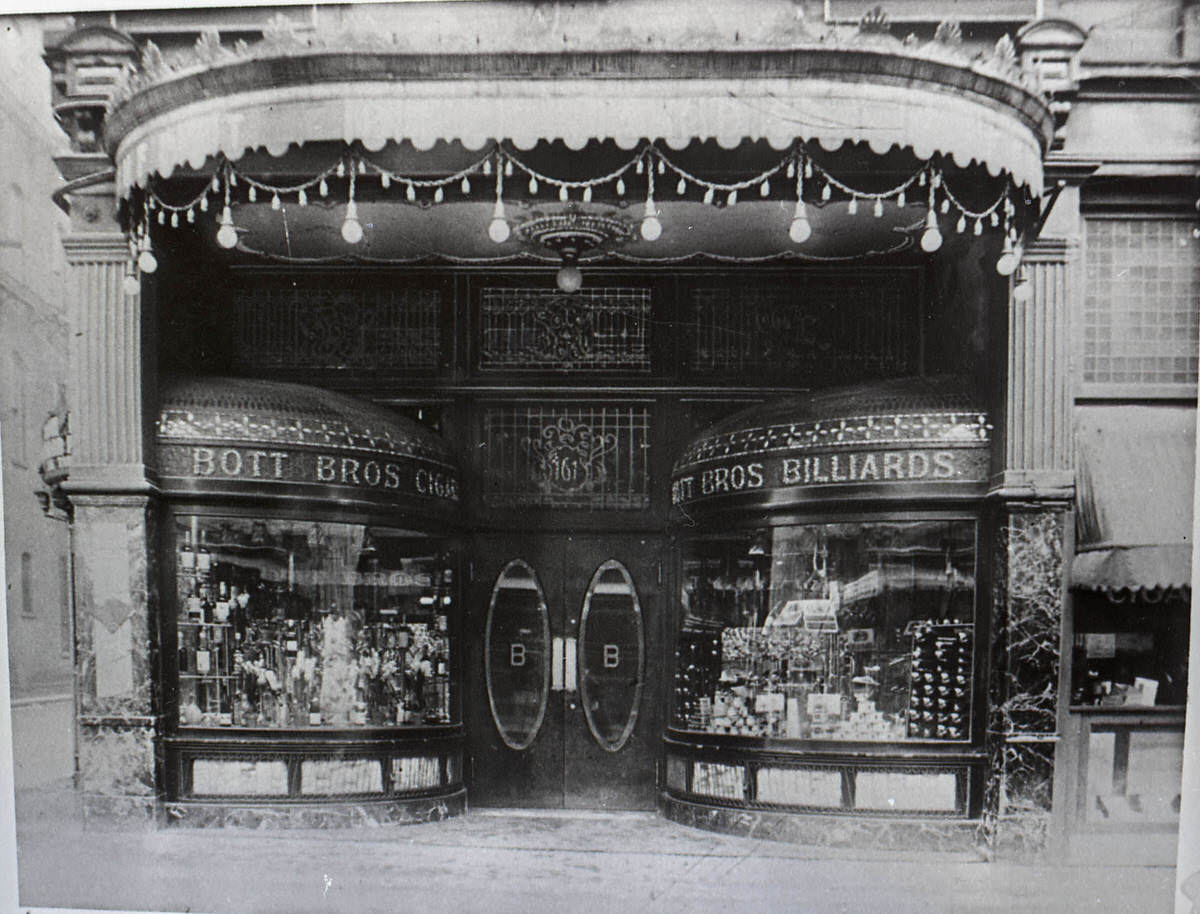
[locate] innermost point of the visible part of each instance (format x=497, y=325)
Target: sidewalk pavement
x=500, y=861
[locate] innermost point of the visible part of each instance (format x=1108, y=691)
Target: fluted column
x=114, y=513
x=107, y=425
x=1031, y=520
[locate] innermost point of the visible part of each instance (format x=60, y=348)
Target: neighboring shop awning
x=1135, y=479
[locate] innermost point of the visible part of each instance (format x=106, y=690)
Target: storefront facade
x=408, y=356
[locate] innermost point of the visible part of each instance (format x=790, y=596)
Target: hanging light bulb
x=204, y=204
x=227, y=236
x=1022, y=290
x=146, y=261
x=877, y=210
x=791, y=168
x=931, y=238
x=191, y=215
x=362, y=167
x=587, y=194
x=1006, y=263
x=175, y=220
x=466, y=185
x=439, y=195
x=651, y=226
x=563, y=194
x=826, y=192
x=708, y=195
x=681, y=187
x=764, y=189
x=131, y=285
x=302, y=197
x=852, y=206
x=901, y=200
x=961, y=225
x=323, y=188
x=662, y=167
x=533, y=184
x=978, y=227
x=341, y=169
x=487, y=167
x=275, y=204
x=252, y=194
x=410, y=192
x=620, y=187
x=569, y=277
x=385, y=180
x=352, y=230
x=498, y=229
x=801, y=229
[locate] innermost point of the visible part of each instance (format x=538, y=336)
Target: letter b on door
x=612, y=656
x=516, y=654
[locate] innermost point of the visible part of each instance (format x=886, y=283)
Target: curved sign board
x=517, y=655
x=612, y=656
x=876, y=455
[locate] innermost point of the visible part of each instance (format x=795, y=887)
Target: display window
x=1131, y=651
x=303, y=624
x=859, y=631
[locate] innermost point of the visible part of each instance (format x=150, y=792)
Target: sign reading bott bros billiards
x=830, y=458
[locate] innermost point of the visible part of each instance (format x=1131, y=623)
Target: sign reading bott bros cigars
x=823, y=459
x=381, y=475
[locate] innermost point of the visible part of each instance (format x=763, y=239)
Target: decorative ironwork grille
x=1140, y=318
x=818, y=331
x=396, y=329
x=592, y=456
x=603, y=329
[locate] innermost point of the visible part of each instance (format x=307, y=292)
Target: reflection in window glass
x=517, y=654
x=302, y=624
x=855, y=631
x=1134, y=775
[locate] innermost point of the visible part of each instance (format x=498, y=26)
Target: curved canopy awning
x=886, y=94
x=1134, y=487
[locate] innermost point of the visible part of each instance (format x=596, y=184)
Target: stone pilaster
x=1031, y=520
x=1023, y=683
x=113, y=523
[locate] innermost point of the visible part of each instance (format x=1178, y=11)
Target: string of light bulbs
x=648, y=162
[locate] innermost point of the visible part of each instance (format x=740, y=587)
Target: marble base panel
x=911, y=834
x=103, y=812
x=116, y=757
x=345, y=814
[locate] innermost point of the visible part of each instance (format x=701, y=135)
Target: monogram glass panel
x=812, y=331
x=567, y=456
x=606, y=329
x=397, y=329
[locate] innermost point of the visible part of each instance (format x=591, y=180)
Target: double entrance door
x=563, y=681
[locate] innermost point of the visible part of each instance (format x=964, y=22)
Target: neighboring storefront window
x=848, y=631
x=1131, y=653
x=285, y=624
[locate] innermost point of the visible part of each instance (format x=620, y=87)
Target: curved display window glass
x=517, y=655
x=286, y=624
x=612, y=655
x=858, y=631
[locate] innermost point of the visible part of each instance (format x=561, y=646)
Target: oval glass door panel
x=612, y=655
x=517, y=654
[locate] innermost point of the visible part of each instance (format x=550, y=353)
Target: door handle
x=570, y=673
x=556, y=664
